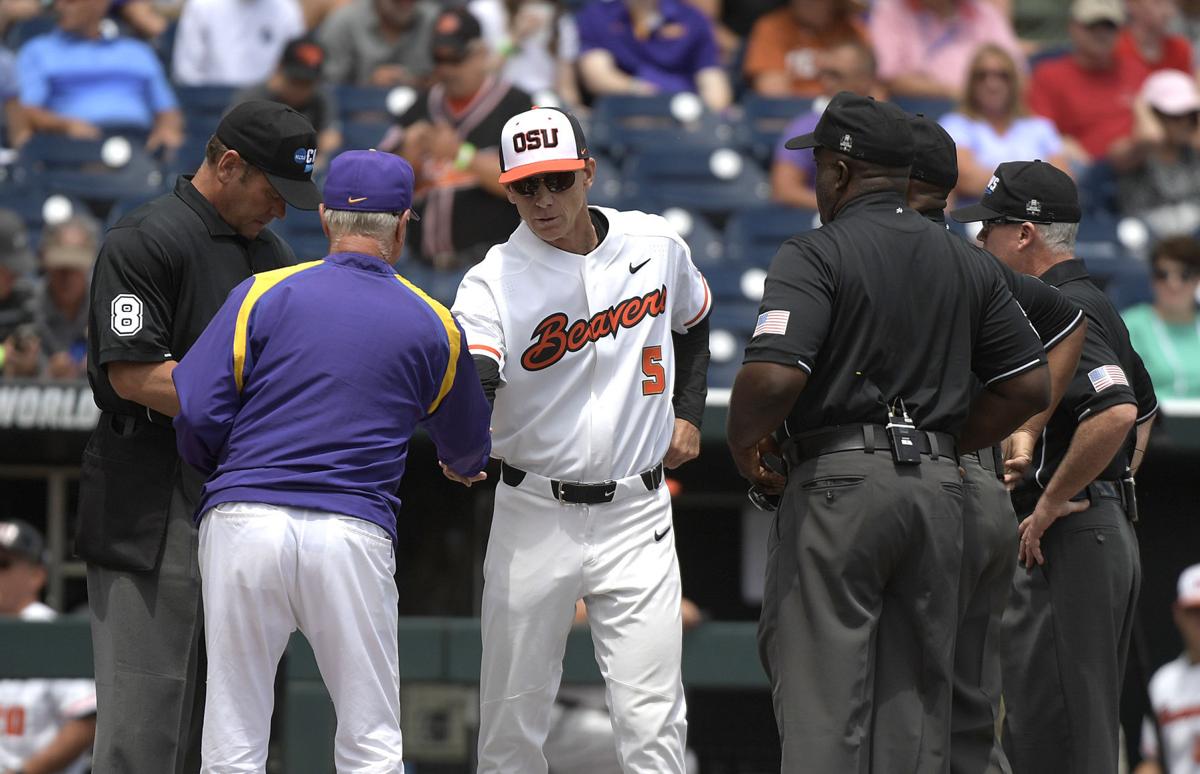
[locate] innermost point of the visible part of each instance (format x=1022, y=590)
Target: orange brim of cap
x=540, y=167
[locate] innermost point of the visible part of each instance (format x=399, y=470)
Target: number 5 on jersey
x=656, y=378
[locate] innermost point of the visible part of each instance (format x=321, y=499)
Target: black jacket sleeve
x=691, y=372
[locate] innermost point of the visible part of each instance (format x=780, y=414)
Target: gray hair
x=380, y=226
x=1058, y=237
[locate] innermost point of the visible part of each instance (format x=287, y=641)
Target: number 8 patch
x=126, y=314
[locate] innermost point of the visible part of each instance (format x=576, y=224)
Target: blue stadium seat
x=730, y=327
x=22, y=32
x=753, y=236
x=1129, y=284
x=930, y=107
x=764, y=121
x=78, y=168
x=625, y=125
x=703, y=240
x=203, y=107
x=360, y=135
x=362, y=103
x=714, y=183
x=302, y=230
x=1100, y=248
x=608, y=187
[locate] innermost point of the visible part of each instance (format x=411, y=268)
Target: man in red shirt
x=1089, y=93
x=1147, y=39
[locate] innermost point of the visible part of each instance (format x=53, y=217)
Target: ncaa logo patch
x=1034, y=207
x=306, y=156
x=847, y=142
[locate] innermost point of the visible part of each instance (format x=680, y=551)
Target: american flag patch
x=1107, y=376
x=772, y=322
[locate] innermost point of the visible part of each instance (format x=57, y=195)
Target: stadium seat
x=203, y=107
x=362, y=103
x=99, y=172
x=22, y=32
x=608, y=187
x=730, y=327
x=753, y=236
x=625, y=125
x=302, y=230
x=764, y=121
x=1129, y=284
x=930, y=107
x=714, y=182
x=360, y=135
x=705, y=242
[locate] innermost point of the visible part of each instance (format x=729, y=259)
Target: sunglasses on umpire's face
x=556, y=182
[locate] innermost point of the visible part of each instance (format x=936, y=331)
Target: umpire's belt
x=864, y=438
x=990, y=459
x=1025, y=498
x=581, y=493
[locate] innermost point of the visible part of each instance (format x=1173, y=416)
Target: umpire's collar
x=1067, y=271
x=876, y=200
x=216, y=226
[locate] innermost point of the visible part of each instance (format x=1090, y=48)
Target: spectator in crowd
x=1175, y=691
x=1147, y=40
x=57, y=717
x=12, y=120
x=925, y=46
x=782, y=52
x=1189, y=21
x=450, y=137
x=1161, y=184
x=848, y=66
x=650, y=47
x=77, y=82
x=20, y=352
x=379, y=42
x=1166, y=333
x=143, y=17
x=232, y=42
x=297, y=82
x=536, y=42
x=992, y=126
x=1089, y=93
x=68, y=251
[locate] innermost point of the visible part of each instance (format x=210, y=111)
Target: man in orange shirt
x=781, y=55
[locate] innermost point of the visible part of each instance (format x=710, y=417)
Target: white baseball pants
x=268, y=570
x=542, y=556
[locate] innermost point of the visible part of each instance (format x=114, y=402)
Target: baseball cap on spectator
x=1189, y=587
x=1021, y=191
x=280, y=142
x=20, y=538
x=453, y=32
x=15, y=254
x=369, y=181
x=935, y=156
x=302, y=59
x=67, y=257
x=861, y=128
x=1171, y=93
x=1093, y=11
x=539, y=141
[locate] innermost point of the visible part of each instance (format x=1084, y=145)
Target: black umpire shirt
x=1110, y=373
x=163, y=272
x=880, y=304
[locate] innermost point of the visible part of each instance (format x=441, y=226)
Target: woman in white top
x=536, y=43
x=992, y=125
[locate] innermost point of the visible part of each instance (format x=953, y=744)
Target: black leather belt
x=865, y=438
x=991, y=459
x=578, y=492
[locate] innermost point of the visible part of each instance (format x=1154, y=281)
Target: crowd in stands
x=706, y=90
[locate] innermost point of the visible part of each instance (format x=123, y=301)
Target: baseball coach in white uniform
x=593, y=324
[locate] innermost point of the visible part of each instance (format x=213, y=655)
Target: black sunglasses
x=556, y=182
x=1187, y=273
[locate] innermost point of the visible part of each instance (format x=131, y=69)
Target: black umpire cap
x=279, y=141
x=935, y=156
x=861, y=128
x=1022, y=191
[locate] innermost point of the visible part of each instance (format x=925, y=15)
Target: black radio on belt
x=902, y=435
x=1129, y=495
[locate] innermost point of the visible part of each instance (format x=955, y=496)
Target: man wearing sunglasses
x=1068, y=621
x=593, y=325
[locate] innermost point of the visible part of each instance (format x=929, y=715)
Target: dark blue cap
x=369, y=181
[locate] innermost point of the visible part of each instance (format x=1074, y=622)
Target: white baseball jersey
x=33, y=711
x=1175, y=696
x=584, y=345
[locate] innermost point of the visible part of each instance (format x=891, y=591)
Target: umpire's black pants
x=989, y=560
x=1068, y=625
x=859, y=613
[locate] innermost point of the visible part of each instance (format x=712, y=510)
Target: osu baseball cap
x=14, y=244
x=1093, y=11
x=539, y=141
x=280, y=142
x=20, y=538
x=935, y=157
x=302, y=59
x=369, y=181
x=1189, y=587
x=861, y=128
x=453, y=32
x=1171, y=92
x=1031, y=191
